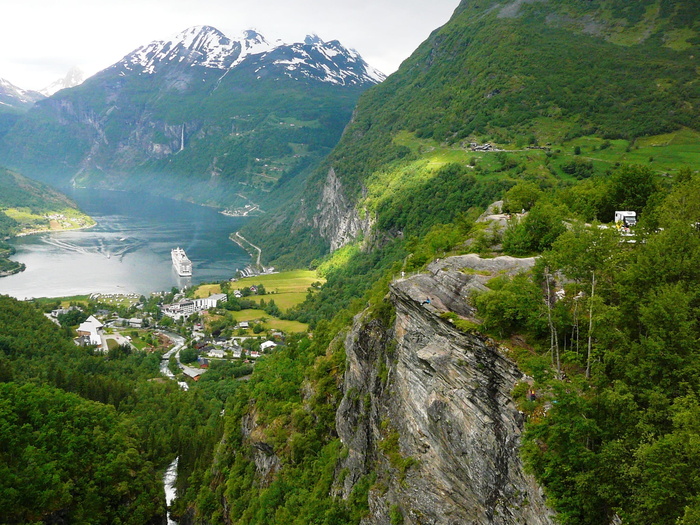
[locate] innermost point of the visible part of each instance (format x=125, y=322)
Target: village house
x=212, y=301
x=192, y=373
x=91, y=329
x=60, y=311
x=202, y=343
x=267, y=345
x=187, y=307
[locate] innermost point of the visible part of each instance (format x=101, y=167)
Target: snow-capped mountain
x=197, y=46
x=74, y=77
x=14, y=98
x=200, y=116
x=325, y=61
x=207, y=47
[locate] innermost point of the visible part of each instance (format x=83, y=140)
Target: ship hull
x=182, y=264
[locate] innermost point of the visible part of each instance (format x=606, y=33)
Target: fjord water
x=129, y=249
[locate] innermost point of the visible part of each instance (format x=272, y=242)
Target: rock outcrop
x=336, y=219
x=267, y=463
x=428, y=409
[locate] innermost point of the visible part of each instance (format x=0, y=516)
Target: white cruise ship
x=182, y=264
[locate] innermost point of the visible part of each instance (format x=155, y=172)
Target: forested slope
x=591, y=106
x=85, y=435
x=602, y=76
x=25, y=205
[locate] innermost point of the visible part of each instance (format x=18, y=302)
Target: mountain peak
x=314, y=59
x=312, y=39
x=253, y=43
x=206, y=46
x=197, y=36
x=196, y=46
x=74, y=77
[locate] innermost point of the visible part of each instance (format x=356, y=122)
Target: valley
x=413, y=298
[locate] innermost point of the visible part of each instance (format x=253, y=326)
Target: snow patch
x=205, y=46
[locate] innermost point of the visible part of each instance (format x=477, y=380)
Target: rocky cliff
x=428, y=409
x=337, y=219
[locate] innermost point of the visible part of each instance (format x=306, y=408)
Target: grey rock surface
x=428, y=408
x=336, y=218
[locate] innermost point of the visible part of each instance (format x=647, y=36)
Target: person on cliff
x=427, y=301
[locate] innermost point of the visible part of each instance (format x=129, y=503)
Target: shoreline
x=235, y=238
x=17, y=270
x=247, y=213
x=254, y=268
x=34, y=232
x=22, y=267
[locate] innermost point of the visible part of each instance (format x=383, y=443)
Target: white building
x=267, y=345
x=210, y=302
x=189, y=306
x=91, y=328
x=217, y=353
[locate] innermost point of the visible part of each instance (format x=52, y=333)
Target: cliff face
x=267, y=463
x=428, y=408
x=337, y=219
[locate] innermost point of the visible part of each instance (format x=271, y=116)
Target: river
x=129, y=249
x=169, y=479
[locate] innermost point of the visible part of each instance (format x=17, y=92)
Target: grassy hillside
x=29, y=206
x=588, y=84
x=590, y=107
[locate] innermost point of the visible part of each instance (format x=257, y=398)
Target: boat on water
x=181, y=262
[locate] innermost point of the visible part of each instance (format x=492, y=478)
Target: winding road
x=175, y=350
x=244, y=240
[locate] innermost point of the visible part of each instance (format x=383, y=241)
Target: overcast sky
x=41, y=39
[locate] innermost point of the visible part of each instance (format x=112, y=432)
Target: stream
x=169, y=479
x=170, y=475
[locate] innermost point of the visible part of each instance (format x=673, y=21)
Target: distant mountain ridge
x=15, y=99
x=207, y=47
x=196, y=46
x=201, y=116
x=74, y=77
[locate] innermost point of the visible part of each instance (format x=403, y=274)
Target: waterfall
x=169, y=479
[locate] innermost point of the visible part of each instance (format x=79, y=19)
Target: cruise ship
x=182, y=264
